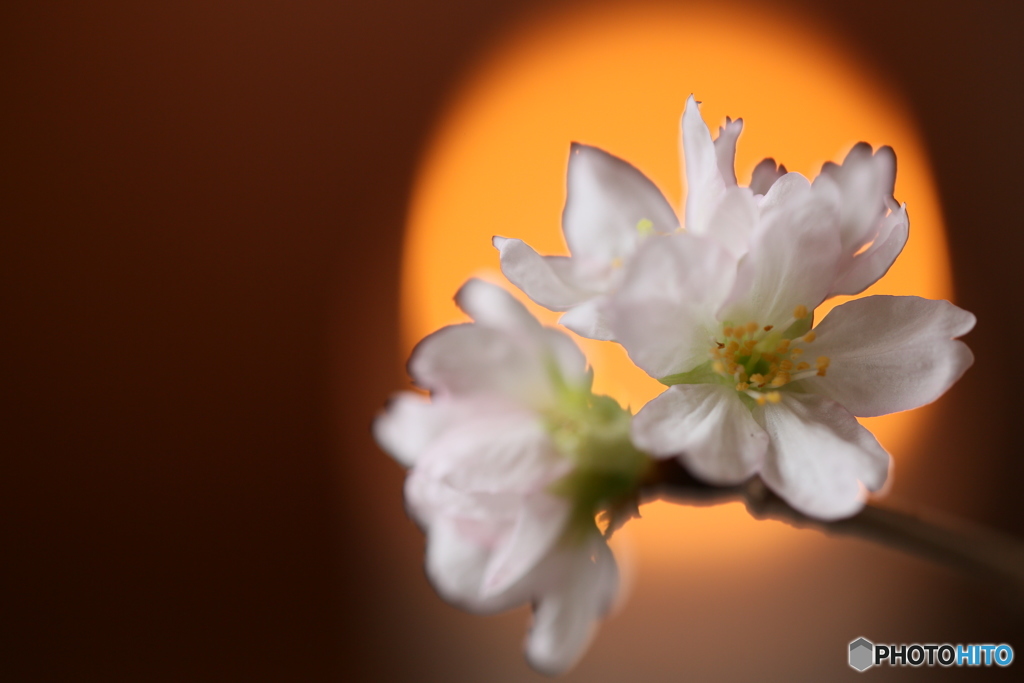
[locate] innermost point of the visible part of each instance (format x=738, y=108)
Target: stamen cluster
x=761, y=360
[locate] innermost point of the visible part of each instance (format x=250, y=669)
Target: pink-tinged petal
x=492, y=306
x=408, y=425
x=725, y=149
x=471, y=359
x=455, y=567
x=498, y=449
x=589, y=320
x=819, y=456
x=543, y=278
x=665, y=307
x=734, y=219
x=792, y=259
x=606, y=201
x=562, y=354
x=564, y=621
x=540, y=524
x=867, y=267
x=890, y=353
x=764, y=176
x=708, y=427
x=704, y=183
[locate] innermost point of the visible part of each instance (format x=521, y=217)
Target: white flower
x=872, y=227
x=752, y=388
x=610, y=209
x=510, y=460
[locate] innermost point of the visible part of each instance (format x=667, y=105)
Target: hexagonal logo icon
x=862, y=654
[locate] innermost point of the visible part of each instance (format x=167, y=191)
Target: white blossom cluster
x=513, y=456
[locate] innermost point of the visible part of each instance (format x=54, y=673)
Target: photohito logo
x=864, y=654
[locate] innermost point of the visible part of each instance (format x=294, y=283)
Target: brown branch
x=943, y=539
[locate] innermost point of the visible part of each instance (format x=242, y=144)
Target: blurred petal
x=891, y=353
x=819, y=455
x=605, y=203
x=492, y=306
x=471, y=359
x=564, y=620
x=708, y=427
x=542, y=278
x=704, y=183
x=407, y=426
x=541, y=522
x=501, y=448
x=666, y=304
x=589, y=320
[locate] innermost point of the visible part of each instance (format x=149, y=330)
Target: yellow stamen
x=752, y=327
x=786, y=365
x=796, y=352
x=616, y=262
x=800, y=312
x=810, y=336
x=733, y=346
x=719, y=367
x=774, y=397
x=802, y=365
x=748, y=345
x=780, y=379
x=742, y=386
x=783, y=346
x=761, y=400
x=757, y=378
x=727, y=332
x=822, y=364
x=768, y=328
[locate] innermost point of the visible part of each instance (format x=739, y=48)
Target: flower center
x=761, y=360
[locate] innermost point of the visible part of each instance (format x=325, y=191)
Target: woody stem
x=957, y=543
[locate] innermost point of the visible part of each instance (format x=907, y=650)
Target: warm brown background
x=203, y=207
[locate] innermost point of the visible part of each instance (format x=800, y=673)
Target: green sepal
x=702, y=374
x=800, y=327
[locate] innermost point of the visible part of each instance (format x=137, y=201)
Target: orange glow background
x=206, y=205
x=618, y=79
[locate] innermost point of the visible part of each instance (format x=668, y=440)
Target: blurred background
x=205, y=205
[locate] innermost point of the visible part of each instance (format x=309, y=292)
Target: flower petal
x=564, y=620
x=589, y=320
x=408, y=425
x=891, y=353
x=864, y=182
x=704, y=183
x=492, y=306
x=819, y=455
x=606, y=201
x=498, y=449
x=471, y=359
x=866, y=268
x=666, y=304
x=792, y=259
x=734, y=219
x=764, y=176
x=545, y=279
x=707, y=427
x=541, y=522
x=725, y=149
